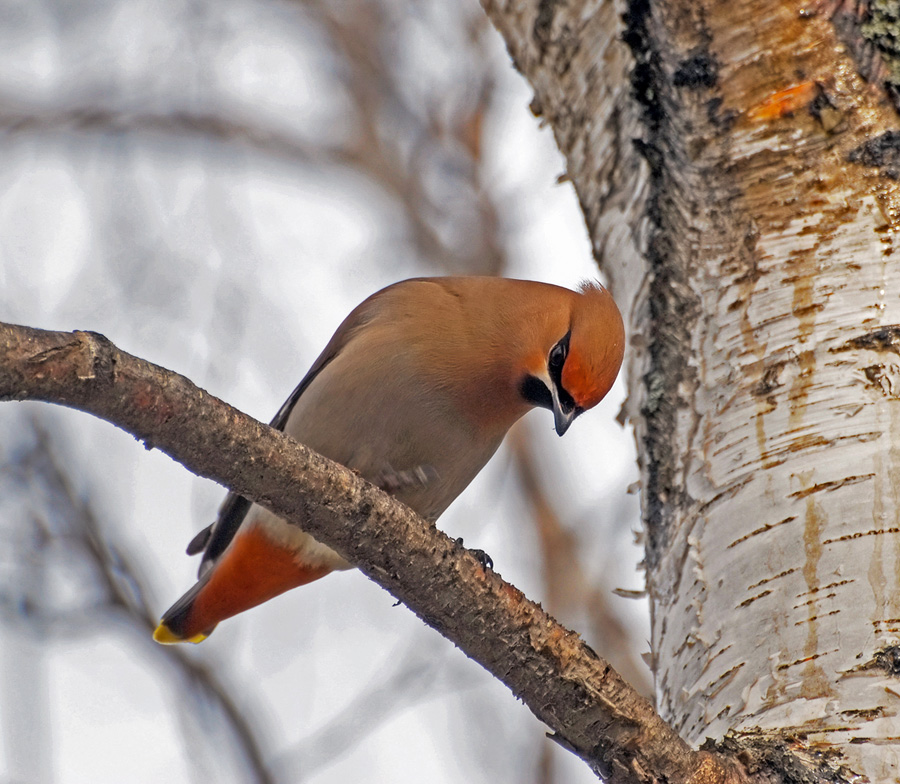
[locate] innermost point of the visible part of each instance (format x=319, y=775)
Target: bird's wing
x=213, y=539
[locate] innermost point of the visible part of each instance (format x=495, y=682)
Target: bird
x=415, y=391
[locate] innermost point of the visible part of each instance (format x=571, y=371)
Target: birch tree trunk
x=738, y=177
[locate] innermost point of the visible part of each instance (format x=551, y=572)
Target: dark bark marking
x=825, y=111
x=761, y=530
x=829, y=486
x=886, y=338
x=882, y=152
x=888, y=659
x=879, y=377
x=770, y=757
x=769, y=382
x=700, y=71
x=885, y=659
x=892, y=531
x=542, y=31
x=761, y=595
x=673, y=306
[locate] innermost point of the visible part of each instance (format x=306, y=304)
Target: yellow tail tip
x=165, y=636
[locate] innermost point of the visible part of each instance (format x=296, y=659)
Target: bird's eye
x=557, y=358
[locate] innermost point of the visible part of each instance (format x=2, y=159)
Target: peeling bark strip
x=580, y=697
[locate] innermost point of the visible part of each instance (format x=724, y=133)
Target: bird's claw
x=391, y=481
x=479, y=555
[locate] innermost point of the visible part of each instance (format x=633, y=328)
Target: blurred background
x=214, y=187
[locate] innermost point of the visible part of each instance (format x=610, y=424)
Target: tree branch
x=565, y=684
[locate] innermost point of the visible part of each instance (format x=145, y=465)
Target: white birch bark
x=765, y=349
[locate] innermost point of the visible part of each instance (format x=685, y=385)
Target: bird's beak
x=562, y=415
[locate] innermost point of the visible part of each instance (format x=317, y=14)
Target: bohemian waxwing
x=414, y=391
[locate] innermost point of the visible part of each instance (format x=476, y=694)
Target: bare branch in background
x=414, y=675
x=569, y=590
x=69, y=531
x=248, y=133
x=409, y=165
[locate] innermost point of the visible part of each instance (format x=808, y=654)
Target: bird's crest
x=596, y=348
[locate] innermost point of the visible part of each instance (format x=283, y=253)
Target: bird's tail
x=252, y=570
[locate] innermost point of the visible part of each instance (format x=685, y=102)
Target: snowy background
x=213, y=187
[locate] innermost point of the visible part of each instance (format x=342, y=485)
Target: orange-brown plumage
x=594, y=359
x=423, y=379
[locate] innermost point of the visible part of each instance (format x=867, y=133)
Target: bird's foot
x=479, y=555
x=391, y=481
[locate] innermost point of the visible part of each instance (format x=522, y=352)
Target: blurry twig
x=408, y=150
x=16, y=118
x=79, y=531
x=414, y=678
x=568, y=588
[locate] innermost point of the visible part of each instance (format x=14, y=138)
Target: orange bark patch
x=784, y=102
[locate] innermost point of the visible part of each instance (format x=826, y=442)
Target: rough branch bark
x=580, y=697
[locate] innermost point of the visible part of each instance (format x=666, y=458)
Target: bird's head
x=582, y=362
